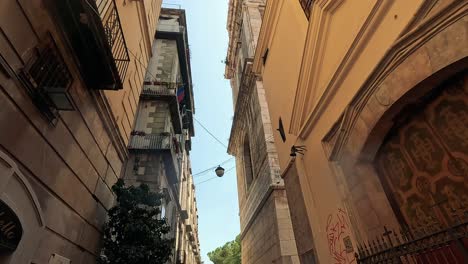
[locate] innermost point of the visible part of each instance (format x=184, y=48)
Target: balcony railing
x=159, y=89
x=152, y=142
x=115, y=37
x=170, y=27
x=429, y=245
x=94, y=32
x=165, y=144
x=165, y=91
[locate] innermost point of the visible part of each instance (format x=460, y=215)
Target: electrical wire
x=211, y=134
x=199, y=183
x=200, y=173
x=205, y=171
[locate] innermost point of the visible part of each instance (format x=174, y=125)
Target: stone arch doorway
x=407, y=73
x=18, y=196
x=423, y=161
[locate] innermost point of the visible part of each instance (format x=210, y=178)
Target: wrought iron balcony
x=159, y=90
x=167, y=92
x=93, y=30
x=164, y=144
x=178, y=32
x=151, y=141
x=428, y=245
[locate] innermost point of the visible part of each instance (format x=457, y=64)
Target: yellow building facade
x=371, y=99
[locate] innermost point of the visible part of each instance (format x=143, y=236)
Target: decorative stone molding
x=245, y=90
x=322, y=15
x=404, y=53
x=14, y=172
x=269, y=22
x=17, y=192
x=417, y=63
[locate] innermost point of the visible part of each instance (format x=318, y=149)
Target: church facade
x=266, y=227
x=369, y=106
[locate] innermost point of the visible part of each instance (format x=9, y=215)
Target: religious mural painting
x=424, y=162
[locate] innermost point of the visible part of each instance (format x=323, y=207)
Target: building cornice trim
x=269, y=23
x=314, y=52
x=338, y=135
x=402, y=48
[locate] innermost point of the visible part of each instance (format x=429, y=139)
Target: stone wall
x=156, y=116
x=257, y=129
x=302, y=230
x=266, y=229
x=270, y=238
x=63, y=170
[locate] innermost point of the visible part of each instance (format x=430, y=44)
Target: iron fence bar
x=436, y=246
x=110, y=18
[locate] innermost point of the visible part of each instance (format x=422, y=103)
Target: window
x=47, y=79
x=306, y=5
x=248, y=168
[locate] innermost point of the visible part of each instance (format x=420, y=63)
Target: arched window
x=248, y=168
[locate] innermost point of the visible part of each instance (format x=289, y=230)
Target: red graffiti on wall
x=337, y=231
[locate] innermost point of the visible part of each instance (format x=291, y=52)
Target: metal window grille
x=47, y=79
x=107, y=11
x=49, y=70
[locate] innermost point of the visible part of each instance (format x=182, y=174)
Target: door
x=424, y=160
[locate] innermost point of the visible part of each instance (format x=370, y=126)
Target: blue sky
x=217, y=198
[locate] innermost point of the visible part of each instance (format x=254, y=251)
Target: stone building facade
x=266, y=229
x=160, y=142
x=70, y=76
x=371, y=97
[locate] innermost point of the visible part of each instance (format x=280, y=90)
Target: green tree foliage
x=230, y=253
x=134, y=234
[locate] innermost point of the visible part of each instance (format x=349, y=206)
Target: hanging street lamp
x=219, y=171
